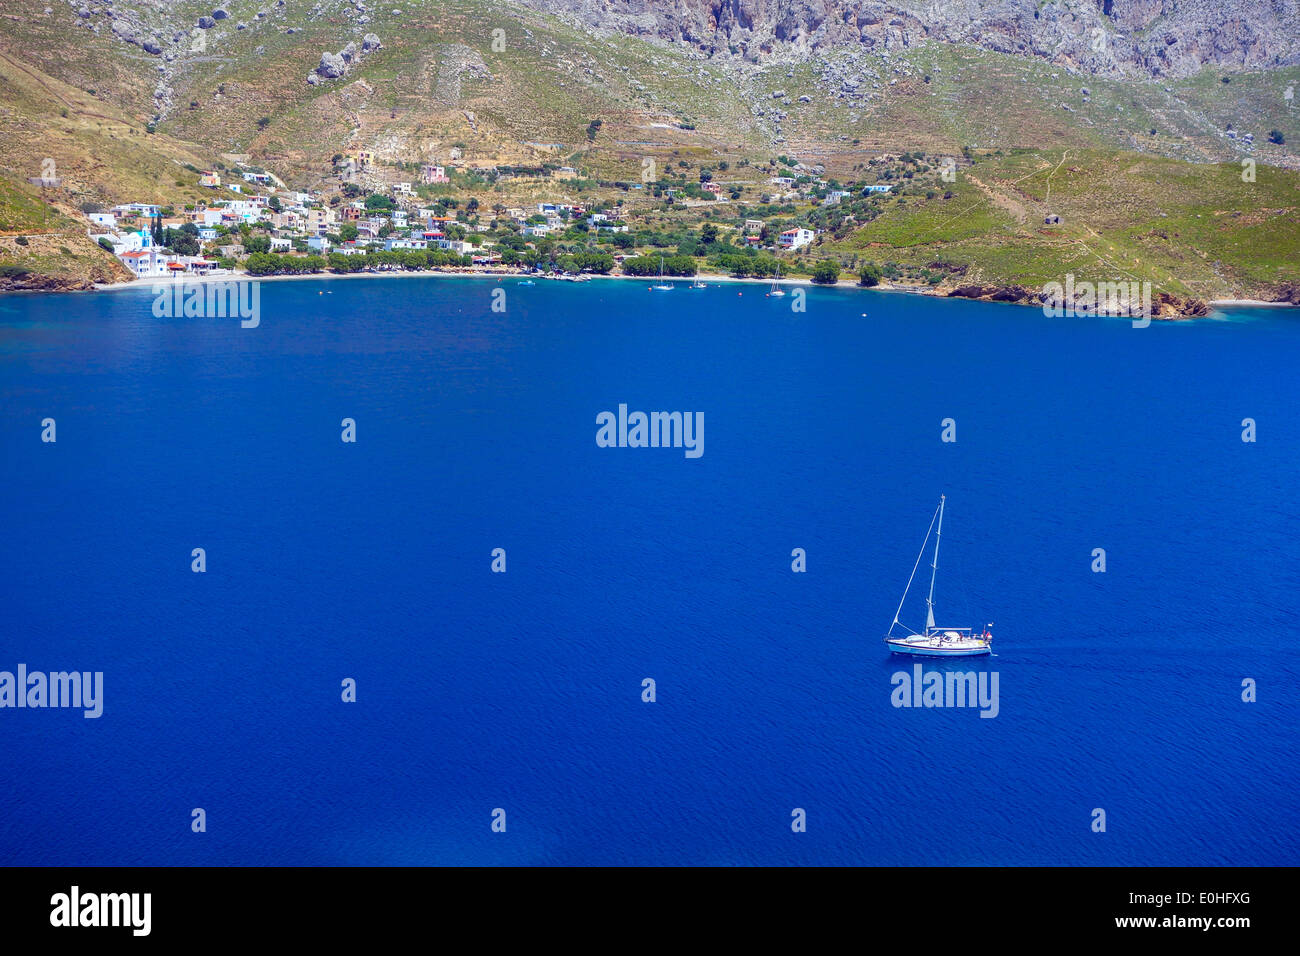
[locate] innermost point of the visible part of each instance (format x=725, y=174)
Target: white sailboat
x=935, y=641
x=777, y=291
x=662, y=286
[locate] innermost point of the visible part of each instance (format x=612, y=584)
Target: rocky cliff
x=1111, y=37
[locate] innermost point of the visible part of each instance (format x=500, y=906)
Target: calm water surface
x=476, y=430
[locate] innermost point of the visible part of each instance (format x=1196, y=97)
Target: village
x=367, y=218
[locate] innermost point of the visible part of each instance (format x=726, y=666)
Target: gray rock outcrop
x=335, y=65
x=332, y=66
x=1138, y=37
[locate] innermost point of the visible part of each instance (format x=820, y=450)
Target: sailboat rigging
x=776, y=290
x=662, y=286
x=935, y=641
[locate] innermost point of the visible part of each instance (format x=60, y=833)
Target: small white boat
x=526, y=282
x=662, y=286
x=936, y=641
x=697, y=284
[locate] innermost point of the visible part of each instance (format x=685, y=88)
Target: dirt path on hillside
x=36, y=78
x=1003, y=201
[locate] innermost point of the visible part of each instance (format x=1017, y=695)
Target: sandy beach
x=515, y=274
x=151, y=281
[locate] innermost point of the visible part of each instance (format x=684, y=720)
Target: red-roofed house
x=796, y=238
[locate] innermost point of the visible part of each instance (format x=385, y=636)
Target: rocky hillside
x=129, y=100
x=1107, y=37
x=44, y=246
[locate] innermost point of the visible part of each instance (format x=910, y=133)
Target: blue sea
x=522, y=691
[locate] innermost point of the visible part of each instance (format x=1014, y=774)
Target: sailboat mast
x=934, y=568
x=912, y=577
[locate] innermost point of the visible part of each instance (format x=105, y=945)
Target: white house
x=148, y=210
x=146, y=263
x=105, y=219
x=391, y=244
x=796, y=238
x=201, y=266
x=318, y=244
x=243, y=209
x=877, y=188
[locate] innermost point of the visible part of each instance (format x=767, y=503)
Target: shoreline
x=493, y=274
x=449, y=274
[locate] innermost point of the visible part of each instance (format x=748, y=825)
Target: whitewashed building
x=796, y=238
x=146, y=263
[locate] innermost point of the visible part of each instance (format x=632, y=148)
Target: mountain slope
x=1197, y=231
x=1152, y=38
x=132, y=99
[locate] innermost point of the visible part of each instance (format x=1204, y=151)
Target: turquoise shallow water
x=522, y=691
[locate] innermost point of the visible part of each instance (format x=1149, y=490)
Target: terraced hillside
x=1192, y=230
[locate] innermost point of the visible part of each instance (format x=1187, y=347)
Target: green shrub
x=826, y=272
x=869, y=274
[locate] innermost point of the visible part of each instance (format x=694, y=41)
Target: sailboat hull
x=933, y=649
